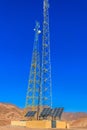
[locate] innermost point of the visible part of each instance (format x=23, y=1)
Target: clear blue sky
x=68, y=28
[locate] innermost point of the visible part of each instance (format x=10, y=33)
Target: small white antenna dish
x=39, y=31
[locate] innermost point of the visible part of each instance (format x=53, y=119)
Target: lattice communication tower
x=40, y=83
x=32, y=98
x=46, y=82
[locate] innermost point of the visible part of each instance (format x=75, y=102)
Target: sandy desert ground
x=23, y=128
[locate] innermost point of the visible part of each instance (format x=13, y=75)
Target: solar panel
x=27, y=114
x=57, y=112
x=30, y=114
x=33, y=113
x=54, y=111
x=45, y=112
x=48, y=113
x=61, y=111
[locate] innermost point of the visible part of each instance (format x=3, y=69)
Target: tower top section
x=46, y=4
x=36, y=29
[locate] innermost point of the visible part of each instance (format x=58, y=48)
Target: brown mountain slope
x=9, y=112
x=82, y=122
x=73, y=116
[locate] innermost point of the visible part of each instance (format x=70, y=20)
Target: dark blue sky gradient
x=68, y=30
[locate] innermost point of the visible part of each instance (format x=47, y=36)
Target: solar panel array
x=30, y=114
x=57, y=112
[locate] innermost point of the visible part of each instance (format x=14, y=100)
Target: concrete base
x=61, y=124
x=32, y=124
x=18, y=123
x=40, y=124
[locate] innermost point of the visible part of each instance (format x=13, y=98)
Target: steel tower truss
x=46, y=83
x=32, y=98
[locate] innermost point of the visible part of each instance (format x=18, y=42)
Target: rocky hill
x=80, y=123
x=70, y=116
x=76, y=120
x=9, y=112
